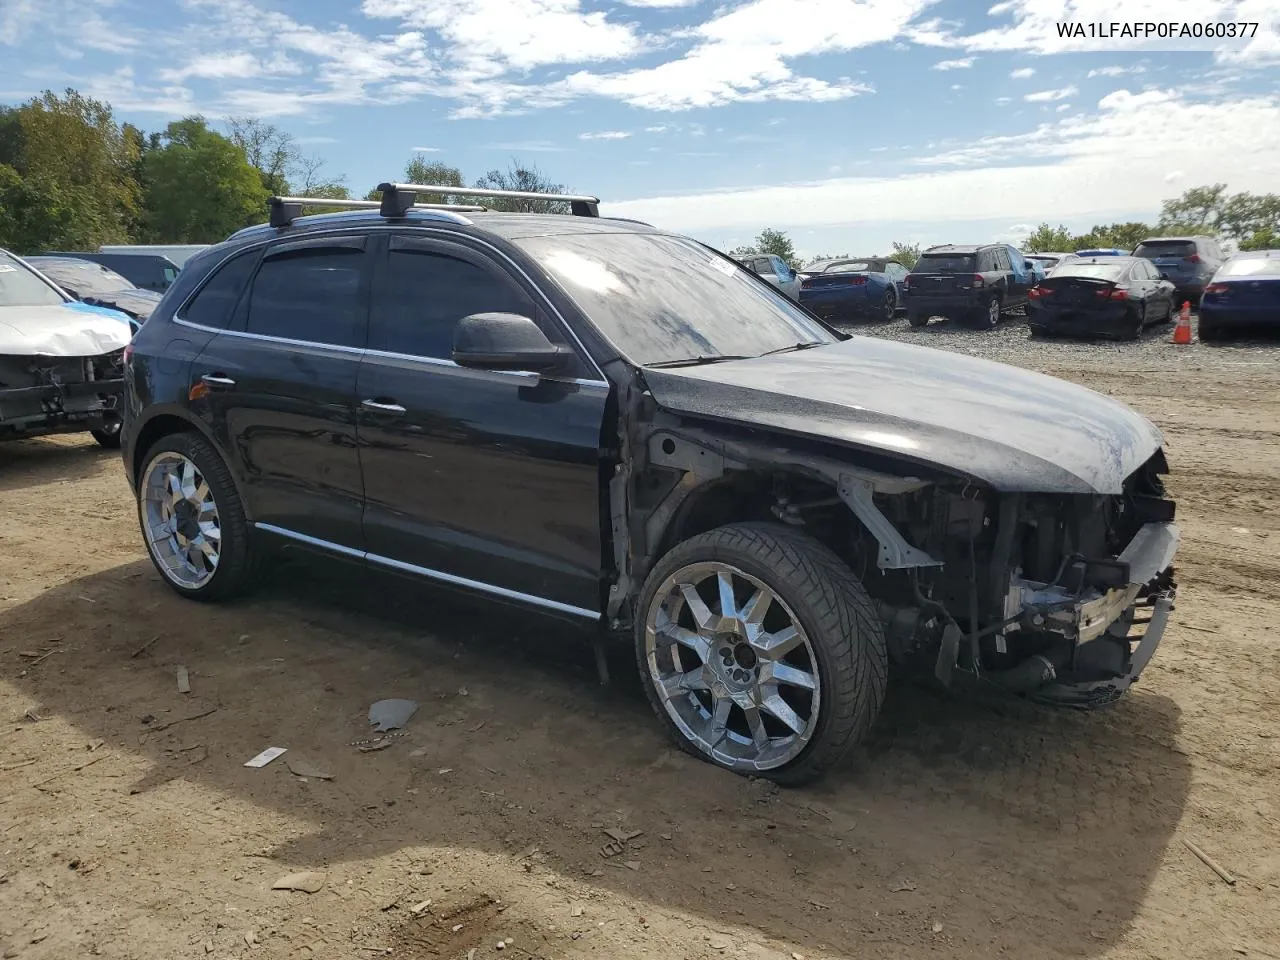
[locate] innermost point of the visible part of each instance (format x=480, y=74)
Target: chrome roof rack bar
x=395, y=194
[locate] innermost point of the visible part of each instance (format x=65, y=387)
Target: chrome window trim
x=430, y=574
x=386, y=354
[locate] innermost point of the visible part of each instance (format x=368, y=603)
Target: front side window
x=214, y=304
x=664, y=299
x=428, y=290
x=20, y=287
x=313, y=294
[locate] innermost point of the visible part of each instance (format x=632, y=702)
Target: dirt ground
x=130, y=827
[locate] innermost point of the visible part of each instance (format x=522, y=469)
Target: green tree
x=1247, y=218
x=269, y=150
x=906, y=253
x=1051, y=239
x=1261, y=240
x=524, y=178
x=70, y=182
x=1196, y=211
x=810, y=261
x=770, y=241
x=1122, y=236
x=199, y=186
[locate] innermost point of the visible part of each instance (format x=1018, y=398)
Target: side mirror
x=505, y=341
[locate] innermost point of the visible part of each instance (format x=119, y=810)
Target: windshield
x=81, y=278
x=661, y=299
x=1103, y=271
x=1250, y=267
x=945, y=263
x=1165, y=248
x=19, y=287
x=853, y=266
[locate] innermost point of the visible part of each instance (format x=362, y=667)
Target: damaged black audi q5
x=621, y=426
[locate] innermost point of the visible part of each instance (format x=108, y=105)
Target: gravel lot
x=129, y=827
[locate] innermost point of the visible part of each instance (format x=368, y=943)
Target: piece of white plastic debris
x=184, y=680
x=391, y=714
x=266, y=756
x=306, y=882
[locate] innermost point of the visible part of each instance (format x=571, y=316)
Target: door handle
x=216, y=380
x=377, y=406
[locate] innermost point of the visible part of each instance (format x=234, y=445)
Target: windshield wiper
x=698, y=361
x=795, y=346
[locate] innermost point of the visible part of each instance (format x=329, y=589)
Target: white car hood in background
x=60, y=331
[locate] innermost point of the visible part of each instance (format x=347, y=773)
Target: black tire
x=917, y=319
x=889, y=308
x=238, y=562
x=1136, y=324
x=108, y=437
x=988, y=317
x=1211, y=332
x=836, y=613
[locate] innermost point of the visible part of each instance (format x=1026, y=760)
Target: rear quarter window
x=215, y=303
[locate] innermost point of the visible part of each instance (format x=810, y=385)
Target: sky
x=848, y=123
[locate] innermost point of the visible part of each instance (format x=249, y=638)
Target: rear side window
x=946, y=263
x=215, y=303
x=1165, y=248
x=428, y=290
x=313, y=294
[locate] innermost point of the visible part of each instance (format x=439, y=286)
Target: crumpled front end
x=41, y=395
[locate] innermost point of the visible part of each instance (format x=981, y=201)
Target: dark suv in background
x=1189, y=263
x=625, y=428
x=974, y=284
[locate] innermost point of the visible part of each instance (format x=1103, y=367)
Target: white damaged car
x=60, y=361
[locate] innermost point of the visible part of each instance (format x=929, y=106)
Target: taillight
x=1216, y=288
x=1194, y=258
x=857, y=281
x=1116, y=294
x=805, y=283
x=1035, y=293
x=978, y=281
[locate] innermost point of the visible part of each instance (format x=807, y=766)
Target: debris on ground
x=144, y=648
x=184, y=680
x=391, y=714
x=903, y=886
x=170, y=723
x=419, y=907
x=300, y=767
x=266, y=756
x=309, y=882
x=1209, y=862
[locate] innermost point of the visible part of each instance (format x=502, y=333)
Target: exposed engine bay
x=42, y=395
x=1061, y=597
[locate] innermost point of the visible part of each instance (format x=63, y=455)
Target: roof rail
x=395, y=196
x=284, y=210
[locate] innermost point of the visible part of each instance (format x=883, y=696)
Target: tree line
x=73, y=178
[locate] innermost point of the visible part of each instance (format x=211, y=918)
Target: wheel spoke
x=755, y=723
x=173, y=483
x=780, y=709
x=755, y=609
x=720, y=720
x=702, y=615
x=677, y=683
x=775, y=672
x=728, y=605
x=776, y=645
x=672, y=632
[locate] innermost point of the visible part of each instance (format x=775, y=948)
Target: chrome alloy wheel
x=180, y=519
x=732, y=666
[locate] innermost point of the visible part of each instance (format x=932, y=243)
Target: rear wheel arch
x=166, y=423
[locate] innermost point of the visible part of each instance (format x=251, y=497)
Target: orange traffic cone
x=1182, y=331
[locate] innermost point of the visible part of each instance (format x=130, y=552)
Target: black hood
x=137, y=303
x=1001, y=425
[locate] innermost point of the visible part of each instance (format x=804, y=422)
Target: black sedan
x=97, y=285
x=1244, y=293
x=1101, y=296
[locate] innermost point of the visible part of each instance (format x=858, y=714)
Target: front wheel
x=990, y=319
x=918, y=319
x=108, y=435
x=192, y=520
x=760, y=651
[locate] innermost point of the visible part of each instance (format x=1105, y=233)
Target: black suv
x=974, y=284
x=623, y=427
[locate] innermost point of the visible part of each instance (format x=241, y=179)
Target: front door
x=279, y=389
x=483, y=479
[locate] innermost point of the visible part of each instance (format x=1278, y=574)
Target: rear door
x=487, y=479
x=279, y=389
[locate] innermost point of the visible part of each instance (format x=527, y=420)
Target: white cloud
x=957, y=86
x=658, y=4
x=1048, y=96
x=1003, y=100
x=605, y=135
x=1067, y=167
x=1173, y=176
x=426, y=149
x=1063, y=107
x=657, y=128
x=1115, y=71
x=123, y=92
x=963, y=64
x=231, y=66
x=1023, y=73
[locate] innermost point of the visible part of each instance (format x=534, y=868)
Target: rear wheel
x=192, y=520
x=1211, y=332
x=760, y=651
x=1136, y=323
x=917, y=319
x=990, y=317
x=890, y=305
